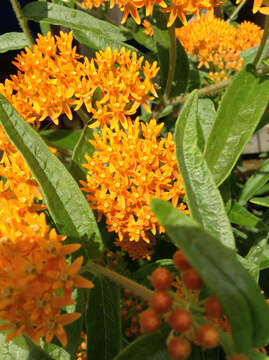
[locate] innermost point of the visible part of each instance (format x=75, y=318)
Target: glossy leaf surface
x=204, y=200
x=66, y=203
x=13, y=41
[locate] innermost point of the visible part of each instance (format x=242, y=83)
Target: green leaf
x=70, y=18
x=263, y=122
x=206, y=117
x=255, y=183
x=66, y=203
x=249, y=54
x=99, y=41
x=244, y=306
x=241, y=108
x=180, y=80
x=56, y=352
x=21, y=348
x=145, y=40
x=263, y=201
x=146, y=347
x=61, y=139
x=241, y=216
x=13, y=41
x=78, y=158
x=103, y=321
x=204, y=200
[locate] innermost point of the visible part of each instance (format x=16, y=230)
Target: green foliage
x=241, y=108
x=103, y=320
x=61, y=139
x=204, y=200
x=67, y=205
x=12, y=41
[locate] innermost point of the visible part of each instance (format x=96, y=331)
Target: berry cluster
x=180, y=311
x=82, y=350
x=132, y=306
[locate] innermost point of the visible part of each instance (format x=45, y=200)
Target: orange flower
x=217, y=45
x=53, y=80
x=130, y=167
x=148, y=29
x=29, y=253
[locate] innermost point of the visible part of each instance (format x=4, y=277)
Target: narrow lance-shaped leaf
x=66, y=203
x=13, y=41
x=241, y=108
x=73, y=19
x=204, y=200
x=254, y=183
x=103, y=321
x=244, y=306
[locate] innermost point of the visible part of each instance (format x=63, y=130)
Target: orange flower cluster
x=53, y=79
x=129, y=168
x=33, y=266
x=179, y=8
x=217, y=45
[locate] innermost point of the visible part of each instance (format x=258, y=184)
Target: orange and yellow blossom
x=32, y=270
x=53, y=80
x=217, y=45
x=130, y=167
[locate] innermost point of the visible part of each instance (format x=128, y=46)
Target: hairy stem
x=236, y=11
x=172, y=61
x=263, y=42
x=129, y=284
x=22, y=21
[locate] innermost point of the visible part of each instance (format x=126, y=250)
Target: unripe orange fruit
x=161, y=279
x=179, y=348
x=212, y=306
x=180, y=262
x=207, y=336
x=161, y=301
x=192, y=280
x=149, y=321
x=180, y=320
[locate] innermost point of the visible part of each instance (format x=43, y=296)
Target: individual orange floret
x=148, y=29
x=181, y=8
x=130, y=167
x=217, y=45
x=33, y=273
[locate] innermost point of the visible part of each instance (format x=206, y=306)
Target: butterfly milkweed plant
x=131, y=226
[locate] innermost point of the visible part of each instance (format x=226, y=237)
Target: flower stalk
x=172, y=61
x=22, y=21
x=263, y=42
x=129, y=284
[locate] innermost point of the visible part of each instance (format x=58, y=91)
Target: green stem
x=208, y=90
x=263, y=42
x=236, y=11
x=129, y=284
x=172, y=61
x=22, y=21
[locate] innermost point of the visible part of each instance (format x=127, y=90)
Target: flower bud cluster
x=182, y=311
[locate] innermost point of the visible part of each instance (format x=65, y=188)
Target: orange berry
x=149, y=321
x=180, y=320
x=134, y=329
x=192, y=280
x=124, y=313
x=128, y=304
x=134, y=320
x=180, y=262
x=161, y=279
x=207, y=336
x=128, y=333
x=179, y=348
x=213, y=307
x=239, y=357
x=127, y=292
x=138, y=308
x=161, y=301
